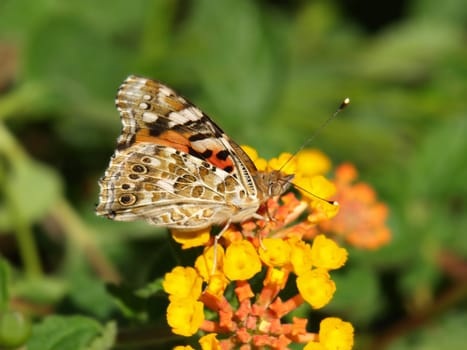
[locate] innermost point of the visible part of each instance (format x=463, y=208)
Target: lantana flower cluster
x=232, y=294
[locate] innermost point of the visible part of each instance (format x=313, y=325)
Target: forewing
x=152, y=112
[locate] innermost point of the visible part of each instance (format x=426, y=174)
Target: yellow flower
x=182, y=282
x=312, y=186
x=276, y=277
x=217, y=284
x=185, y=316
x=205, y=261
x=241, y=261
x=190, y=239
x=276, y=252
x=316, y=287
x=325, y=253
x=336, y=334
x=260, y=163
x=300, y=256
x=312, y=162
x=284, y=162
x=181, y=347
x=209, y=342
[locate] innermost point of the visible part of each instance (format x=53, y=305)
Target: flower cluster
x=233, y=292
x=257, y=321
x=362, y=219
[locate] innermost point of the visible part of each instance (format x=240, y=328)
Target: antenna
x=343, y=104
x=335, y=203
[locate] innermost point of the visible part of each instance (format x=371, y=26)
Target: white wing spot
x=149, y=117
x=164, y=90
x=189, y=113
x=166, y=185
x=177, y=118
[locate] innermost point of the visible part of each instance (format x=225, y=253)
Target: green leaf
x=44, y=290
x=35, y=188
x=132, y=306
x=72, y=69
x=86, y=290
x=151, y=289
x=446, y=332
x=440, y=157
x=107, y=340
x=71, y=333
x=357, y=294
x=242, y=80
x=418, y=45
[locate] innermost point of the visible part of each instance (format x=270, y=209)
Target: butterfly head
x=273, y=183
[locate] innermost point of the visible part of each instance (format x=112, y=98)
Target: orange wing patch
x=168, y=138
x=222, y=160
x=175, y=104
x=219, y=158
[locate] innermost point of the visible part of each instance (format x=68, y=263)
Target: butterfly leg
x=216, y=242
x=267, y=218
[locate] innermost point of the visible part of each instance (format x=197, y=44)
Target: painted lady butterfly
x=175, y=167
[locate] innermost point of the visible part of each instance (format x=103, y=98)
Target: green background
x=269, y=72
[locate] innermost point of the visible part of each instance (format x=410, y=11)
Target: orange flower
x=361, y=219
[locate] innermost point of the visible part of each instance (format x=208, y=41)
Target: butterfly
x=174, y=167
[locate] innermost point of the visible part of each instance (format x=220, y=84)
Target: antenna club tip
x=343, y=104
x=336, y=203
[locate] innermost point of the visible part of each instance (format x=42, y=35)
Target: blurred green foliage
x=270, y=73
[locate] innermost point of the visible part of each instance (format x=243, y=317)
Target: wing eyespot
x=139, y=168
x=126, y=186
x=127, y=199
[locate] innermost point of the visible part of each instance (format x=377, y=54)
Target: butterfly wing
x=173, y=165
x=152, y=112
x=170, y=188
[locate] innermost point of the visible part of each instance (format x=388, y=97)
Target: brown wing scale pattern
x=170, y=188
x=152, y=112
x=175, y=167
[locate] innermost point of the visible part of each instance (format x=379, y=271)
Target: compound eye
x=275, y=189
